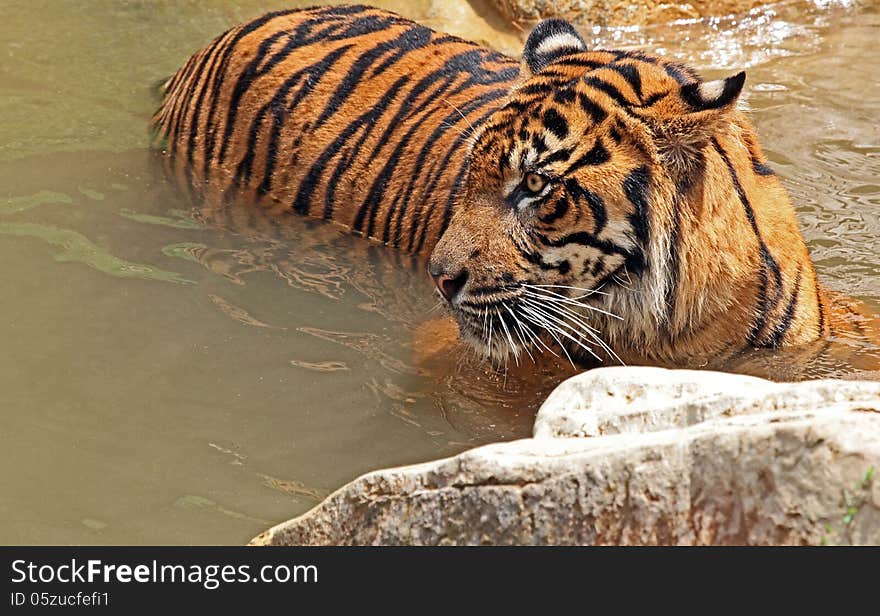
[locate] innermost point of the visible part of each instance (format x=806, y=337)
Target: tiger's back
x=350, y=114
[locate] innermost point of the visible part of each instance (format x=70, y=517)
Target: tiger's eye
x=535, y=183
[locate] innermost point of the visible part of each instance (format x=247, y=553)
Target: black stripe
x=559, y=77
x=760, y=321
x=609, y=89
x=821, y=308
x=565, y=96
x=320, y=17
x=559, y=210
x=681, y=74
x=582, y=238
x=210, y=129
x=181, y=99
x=594, y=201
x=451, y=70
x=761, y=168
x=308, y=77
x=768, y=263
x=637, y=55
x=187, y=68
x=242, y=84
x=480, y=75
x=312, y=179
x=447, y=210
x=593, y=109
x=370, y=206
x=171, y=99
x=409, y=40
x=631, y=74
x=578, y=61
x=468, y=63
x=555, y=123
x=683, y=187
x=454, y=192
x=615, y=135
x=535, y=258
x=374, y=199
x=656, y=96
x=597, y=155
x=637, y=187
x=778, y=333
x=450, y=122
x=212, y=69
x=184, y=101
x=541, y=88
x=559, y=156
x=539, y=144
x=301, y=37
x=342, y=165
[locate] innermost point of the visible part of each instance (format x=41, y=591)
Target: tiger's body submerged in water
x=608, y=204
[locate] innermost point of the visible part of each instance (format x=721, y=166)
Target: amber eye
x=535, y=183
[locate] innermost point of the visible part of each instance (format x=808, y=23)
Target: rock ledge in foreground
x=637, y=456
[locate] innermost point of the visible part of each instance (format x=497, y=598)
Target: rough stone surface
x=614, y=13
x=639, y=400
x=637, y=456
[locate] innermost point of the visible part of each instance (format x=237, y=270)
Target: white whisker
x=560, y=322
x=564, y=312
x=491, y=329
x=551, y=329
x=586, y=292
x=537, y=337
x=510, y=340
x=518, y=332
x=556, y=297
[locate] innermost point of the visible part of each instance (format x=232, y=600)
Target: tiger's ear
x=550, y=40
x=703, y=109
x=718, y=94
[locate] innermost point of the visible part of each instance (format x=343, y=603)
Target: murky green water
x=166, y=382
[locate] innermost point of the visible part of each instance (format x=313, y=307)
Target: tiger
x=608, y=205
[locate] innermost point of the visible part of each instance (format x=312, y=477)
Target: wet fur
x=418, y=140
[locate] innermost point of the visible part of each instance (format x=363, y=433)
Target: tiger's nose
x=448, y=284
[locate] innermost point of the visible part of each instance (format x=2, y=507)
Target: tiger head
x=561, y=236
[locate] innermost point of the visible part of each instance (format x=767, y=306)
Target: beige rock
x=638, y=400
x=587, y=13
x=710, y=459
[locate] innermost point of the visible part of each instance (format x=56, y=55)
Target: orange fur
x=655, y=197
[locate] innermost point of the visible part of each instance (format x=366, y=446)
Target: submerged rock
x=637, y=456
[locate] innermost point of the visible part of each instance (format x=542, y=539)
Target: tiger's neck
x=735, y=267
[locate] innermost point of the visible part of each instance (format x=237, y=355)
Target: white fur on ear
x=711, y=90
x=562, y=41
x=550, y=40
x=701, y=95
